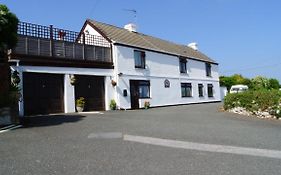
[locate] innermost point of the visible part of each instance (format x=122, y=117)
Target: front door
x=134, y=91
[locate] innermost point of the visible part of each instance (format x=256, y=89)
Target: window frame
x=183, y=62
x=144, y=83
x=210, y=87
x=186, y=86
x=141, y=57
x=208, y=68
x=200, y=90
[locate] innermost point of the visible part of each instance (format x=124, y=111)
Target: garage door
x=92, y=89
x=42, y=93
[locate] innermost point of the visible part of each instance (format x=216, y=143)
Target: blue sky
x=243, y=36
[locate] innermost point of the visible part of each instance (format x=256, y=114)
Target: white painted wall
x=158, y=68
x=223, y=91
x=69, y=95
x=91, y=30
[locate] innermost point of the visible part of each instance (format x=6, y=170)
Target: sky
x=243, y=36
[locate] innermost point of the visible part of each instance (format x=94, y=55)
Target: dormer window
x=182, y=63
x=139, y=59
x=208, y=69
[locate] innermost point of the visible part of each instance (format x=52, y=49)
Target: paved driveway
x=192, y=139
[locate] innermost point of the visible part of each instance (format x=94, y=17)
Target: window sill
x=183, y=73
x=144, y=97
x=139, y=67
x=186, y=97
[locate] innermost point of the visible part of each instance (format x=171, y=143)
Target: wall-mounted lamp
x=120, y=74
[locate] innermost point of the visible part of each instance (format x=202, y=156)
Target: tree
x=260, y=82
x=227, y=82
x=8, y=29
x=8, y=40
x=233, y=80
x=273, y=83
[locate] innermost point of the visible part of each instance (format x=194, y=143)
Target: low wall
x=9, y=115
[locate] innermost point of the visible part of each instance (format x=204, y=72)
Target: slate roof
x=135, y=39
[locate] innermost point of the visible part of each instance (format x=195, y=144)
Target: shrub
x=112, y=104
x=254, y=100
x=11, y=98
x=146, y=104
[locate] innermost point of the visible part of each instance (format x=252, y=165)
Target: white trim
x=176, y=77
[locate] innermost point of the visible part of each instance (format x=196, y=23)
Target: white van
x=238, y=88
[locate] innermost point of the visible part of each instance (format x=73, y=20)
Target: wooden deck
x=42, y=42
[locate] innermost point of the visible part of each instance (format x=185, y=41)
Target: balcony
x=49, y=46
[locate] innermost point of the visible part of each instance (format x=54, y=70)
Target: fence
x=38, y=40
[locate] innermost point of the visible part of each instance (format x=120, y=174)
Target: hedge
x=254, y=100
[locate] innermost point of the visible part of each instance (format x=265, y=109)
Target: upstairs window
x=183, y=65
x=186, y=90
x=210, y=90
x=208, y=70
x=139, y=59
x=200, y=90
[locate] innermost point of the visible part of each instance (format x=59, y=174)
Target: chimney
x=131, y=27
x=193, y=46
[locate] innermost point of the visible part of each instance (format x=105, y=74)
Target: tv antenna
x=134, y=12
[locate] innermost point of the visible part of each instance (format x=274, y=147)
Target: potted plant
x=112, y=104
x=146, y=104
x=80, y=104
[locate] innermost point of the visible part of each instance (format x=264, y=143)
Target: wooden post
x=51, y=40
x=83, y=37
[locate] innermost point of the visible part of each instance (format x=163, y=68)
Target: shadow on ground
x=49, y=120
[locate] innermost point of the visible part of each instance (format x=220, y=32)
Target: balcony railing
x=44, y=41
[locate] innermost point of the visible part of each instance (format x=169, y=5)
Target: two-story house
x=108, y=63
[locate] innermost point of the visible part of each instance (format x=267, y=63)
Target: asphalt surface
x=93, y=144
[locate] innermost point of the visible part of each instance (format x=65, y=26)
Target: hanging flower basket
x=72, y=79
x=15, y=79
x=113, y=83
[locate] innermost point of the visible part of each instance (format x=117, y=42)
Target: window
x=144, y=87
x=186, y=90
x=200, y=90
x=139, y=59
x=210, y=90
x=208, y=69
x=183, y=65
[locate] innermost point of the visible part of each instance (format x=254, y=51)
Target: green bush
x=112, y=104
x=253, y=100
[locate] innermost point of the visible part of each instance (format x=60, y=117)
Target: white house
x=108, y=63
